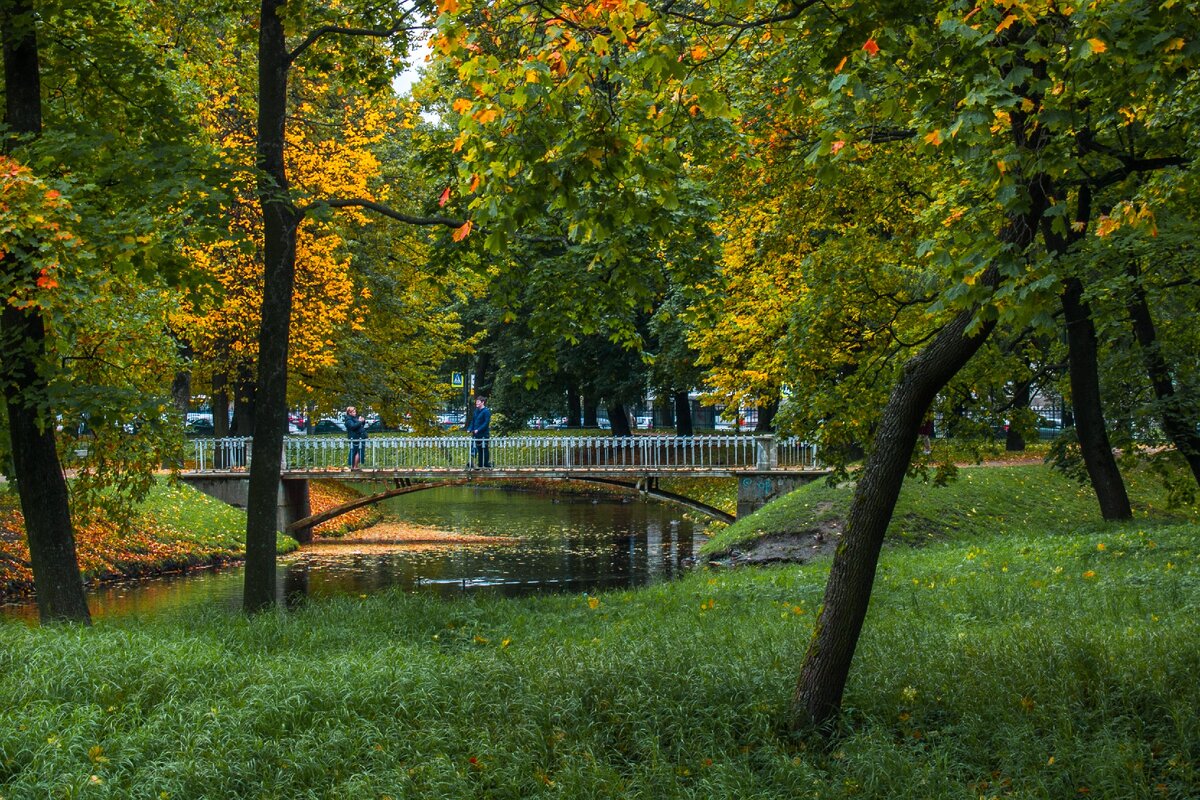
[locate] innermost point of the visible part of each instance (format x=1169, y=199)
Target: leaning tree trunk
x=1178, y=421
x=1089, y=414
x=683, y=414
x=826, y=668
x=40, y=481
x=280, y=222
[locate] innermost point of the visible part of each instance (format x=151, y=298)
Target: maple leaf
x=1097, y=45
x=46, y=280
x=448, y=6
x=840, y=65
x=475, y=181
x=462, y=105
x=934, y=138
x=836, y=146
x=445, y=198
x=462, y=232
x=871, y=47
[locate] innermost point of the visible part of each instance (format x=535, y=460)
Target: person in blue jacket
x=481, y=433
x=356, y=432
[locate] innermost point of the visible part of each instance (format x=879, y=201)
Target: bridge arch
x=646, y=486
x=306, y=524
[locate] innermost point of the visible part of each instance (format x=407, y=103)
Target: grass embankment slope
x=175, y=528
x=1041, y=654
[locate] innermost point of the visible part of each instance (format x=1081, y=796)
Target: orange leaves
x=934, y=138
x=486, y=115
x=445, y=198
x=46, y=280
x=1127, y=214
x=558, y=65
x=462, y=232
x=462, y=105
x=871, y=47
x=447, y=6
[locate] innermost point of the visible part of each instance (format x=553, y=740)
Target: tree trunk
x=181, y=386
x=683, y=414
x=1085, y=399
x=574, y=410
x=1014, y=440
x=822, y=682
x=591, y=416
x=280, y=221
x=40, y=481
x=664, y=411
x=1178, y=420
x=619, y=417
x=245, y=392
x=766, y=416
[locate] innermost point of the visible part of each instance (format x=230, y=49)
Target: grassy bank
x=176, y=528
x=1021, y=659
x=979, y=501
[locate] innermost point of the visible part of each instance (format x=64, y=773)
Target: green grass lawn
x=1031, y=652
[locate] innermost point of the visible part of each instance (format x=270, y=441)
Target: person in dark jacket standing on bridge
x=481, y=433
x=356, y=432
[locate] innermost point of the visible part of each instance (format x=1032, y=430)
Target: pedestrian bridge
x=765, y=466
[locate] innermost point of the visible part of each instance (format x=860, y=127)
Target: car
x=329, y=425
x=199, y=426
x=645, y=422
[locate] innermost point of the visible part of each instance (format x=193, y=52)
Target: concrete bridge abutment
x=756, y=489
x=293, y=499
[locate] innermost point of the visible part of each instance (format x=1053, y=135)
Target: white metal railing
x=582, y=453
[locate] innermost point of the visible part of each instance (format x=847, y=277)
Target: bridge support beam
x=757, y=489
x=293, y=503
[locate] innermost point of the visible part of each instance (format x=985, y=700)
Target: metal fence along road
x=590, y=454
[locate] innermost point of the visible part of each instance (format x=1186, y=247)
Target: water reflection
x=511, y=543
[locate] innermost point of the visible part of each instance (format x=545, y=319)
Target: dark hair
x=481, y=398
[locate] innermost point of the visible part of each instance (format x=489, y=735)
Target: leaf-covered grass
x=720, y=493
x=175, y=528
x=324, y=495
x=1025, y=659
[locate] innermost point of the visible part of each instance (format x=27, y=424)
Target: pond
x=450, y=542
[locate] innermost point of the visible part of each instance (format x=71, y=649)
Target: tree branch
x=386, y=211
x=337, y=30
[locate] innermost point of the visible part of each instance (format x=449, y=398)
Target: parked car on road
x=329, y=425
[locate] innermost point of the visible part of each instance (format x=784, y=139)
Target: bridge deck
x=615, y=472
x=527, y=456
